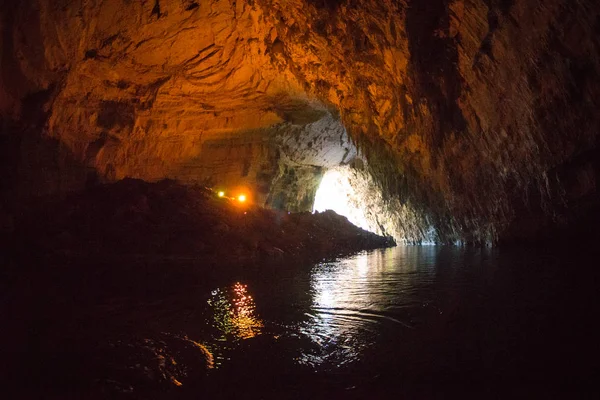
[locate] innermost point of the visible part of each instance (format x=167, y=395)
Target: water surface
x=412, y=322
x=409, y=320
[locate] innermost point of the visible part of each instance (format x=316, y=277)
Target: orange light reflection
x=234, y=312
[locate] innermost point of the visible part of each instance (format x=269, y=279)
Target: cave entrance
x=339, y=192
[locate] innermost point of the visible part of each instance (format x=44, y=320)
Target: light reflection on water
x=378, y=319
x=337, y=309
x=234, y=315
x=353, y=300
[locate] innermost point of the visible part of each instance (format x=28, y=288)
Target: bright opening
x=221, y=194
x=242, y=198
x=337, y=194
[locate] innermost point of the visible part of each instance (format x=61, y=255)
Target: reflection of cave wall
x=480, y=114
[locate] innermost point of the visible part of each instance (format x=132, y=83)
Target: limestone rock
x=467, y=110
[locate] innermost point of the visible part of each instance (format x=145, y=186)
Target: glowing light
x=242, y=198
x=221, y=194
x=337, y=194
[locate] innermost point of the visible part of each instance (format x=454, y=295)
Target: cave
x=311, y=198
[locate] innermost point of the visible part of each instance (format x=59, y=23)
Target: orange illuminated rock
x=458, y=106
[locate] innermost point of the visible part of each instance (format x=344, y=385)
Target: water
x=409, y=320
x=413, y=322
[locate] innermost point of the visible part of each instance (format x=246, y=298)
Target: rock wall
x=352, y=192
x=482, y=104
x=474, y=113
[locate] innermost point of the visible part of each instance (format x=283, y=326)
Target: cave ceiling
x=458, y=105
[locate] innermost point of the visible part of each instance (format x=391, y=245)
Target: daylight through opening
x=337, y=193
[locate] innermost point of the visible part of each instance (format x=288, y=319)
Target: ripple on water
x=352, y=301
x=338, y=311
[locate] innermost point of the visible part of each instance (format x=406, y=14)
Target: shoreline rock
x=167, y=219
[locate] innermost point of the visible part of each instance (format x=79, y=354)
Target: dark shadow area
x=575, y=214
x=473, y=323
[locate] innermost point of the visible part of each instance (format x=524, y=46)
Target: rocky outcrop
x=366, y=206
x=469, y=113
x=170, y=220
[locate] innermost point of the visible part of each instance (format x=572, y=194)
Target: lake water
x=413, y=321
x=406, y=322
